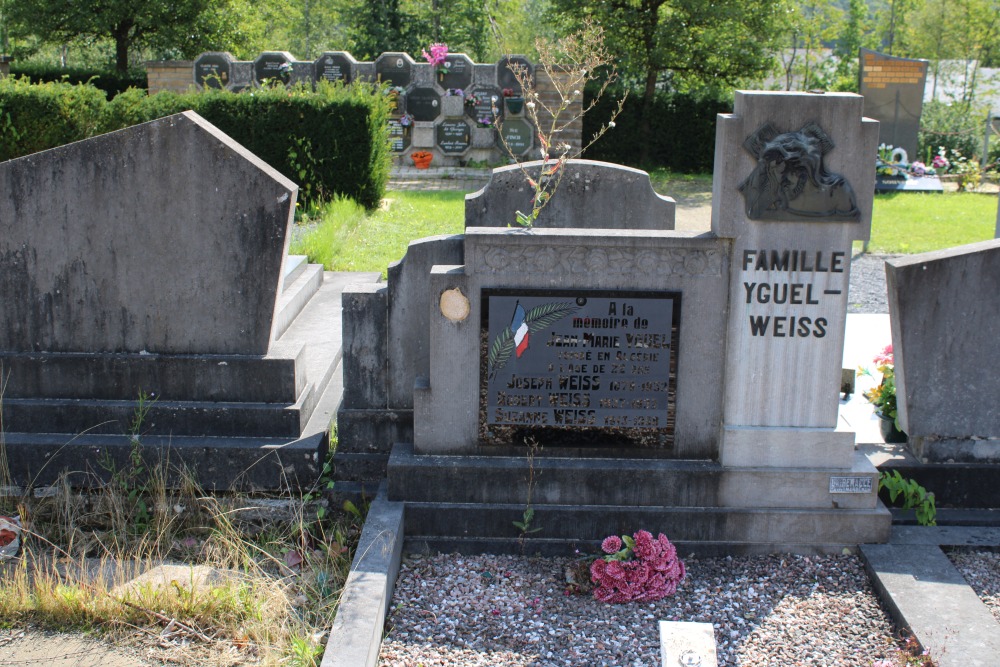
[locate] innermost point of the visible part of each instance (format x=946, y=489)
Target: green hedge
x=681, y=136
x=111, y=83
x=38, y=117
x=332, y=141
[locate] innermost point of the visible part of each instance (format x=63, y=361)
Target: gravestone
x=273, y=65
x=603, y=360
x=454, y=137
x=458, y=72
x=893, y=89
x=424, y=104
x=792, y=254
x=395, y=69
x=213, y=70
x=334, y=66
x=582, y=202
x=153, y=266
x=945, y=309
x=516, y=135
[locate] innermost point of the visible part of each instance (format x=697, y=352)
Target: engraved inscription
x=851, y=485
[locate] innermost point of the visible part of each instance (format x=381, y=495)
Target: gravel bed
x=867, y=293
x=982, y=570
x=504, y=611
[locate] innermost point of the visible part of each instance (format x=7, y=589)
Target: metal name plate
x=580, y=359
x=851, y=485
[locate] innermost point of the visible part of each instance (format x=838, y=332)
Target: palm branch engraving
x=538, y=318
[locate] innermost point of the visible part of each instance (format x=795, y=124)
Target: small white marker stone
x=684, y=644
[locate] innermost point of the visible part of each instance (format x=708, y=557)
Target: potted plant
x=514, y=103
x=421, y=159
x=883, y=396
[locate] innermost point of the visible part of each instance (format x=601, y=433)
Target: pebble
x=766, y=610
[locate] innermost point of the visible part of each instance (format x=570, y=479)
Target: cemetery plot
x=579, y=367
x=480, y=103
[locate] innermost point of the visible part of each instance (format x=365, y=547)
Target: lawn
x=348, y=239
x=912, y=222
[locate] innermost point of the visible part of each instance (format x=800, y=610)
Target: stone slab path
x=925, y=593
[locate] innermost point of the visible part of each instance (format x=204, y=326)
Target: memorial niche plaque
x=393, y=68
x=479, y=104
x=399, y=136
x=458, y=72
x=517, y=134
x=273, y=65
x=212, y=70
x=454, y=136
x=333, y=66
x=579, y=368
x=505, y=72
x=423, y=103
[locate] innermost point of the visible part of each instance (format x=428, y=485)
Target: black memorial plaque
x=518, y=134
x=333, y=66
x=479, y=104
x=893, y=89
x=213, y=70
x=454, y=136
x=273, y=65
x=423, y=103
x=505, y=72
x=394, y=68
x=399, y=136
x=458, y=72
x=579, y=367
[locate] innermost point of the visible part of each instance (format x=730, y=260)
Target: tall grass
x=201, y=581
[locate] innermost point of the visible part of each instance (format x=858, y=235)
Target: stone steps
x=625, y=482
x=442, y=525
x=281, y=439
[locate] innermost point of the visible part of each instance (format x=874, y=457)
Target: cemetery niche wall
x=654, y=376
x=458, y=114
x=145, y=270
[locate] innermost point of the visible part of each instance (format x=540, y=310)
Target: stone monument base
x=234, y=421
x=469, y=503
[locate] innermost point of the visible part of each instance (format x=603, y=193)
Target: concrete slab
x=356, y=635
x=925, y=594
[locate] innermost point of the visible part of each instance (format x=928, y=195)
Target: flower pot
x=890, y=434
x=514, y=104
x=422, y=159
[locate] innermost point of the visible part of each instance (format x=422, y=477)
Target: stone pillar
x=793, y=189
x=172, y=75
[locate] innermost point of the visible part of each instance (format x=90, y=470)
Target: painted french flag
x=520, y=330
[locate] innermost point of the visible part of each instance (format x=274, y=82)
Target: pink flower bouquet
x=636, y=569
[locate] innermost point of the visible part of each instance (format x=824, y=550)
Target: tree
x=187, y=25
x=694, y=43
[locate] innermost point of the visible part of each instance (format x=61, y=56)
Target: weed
x=914, y=496
x=526, y=524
